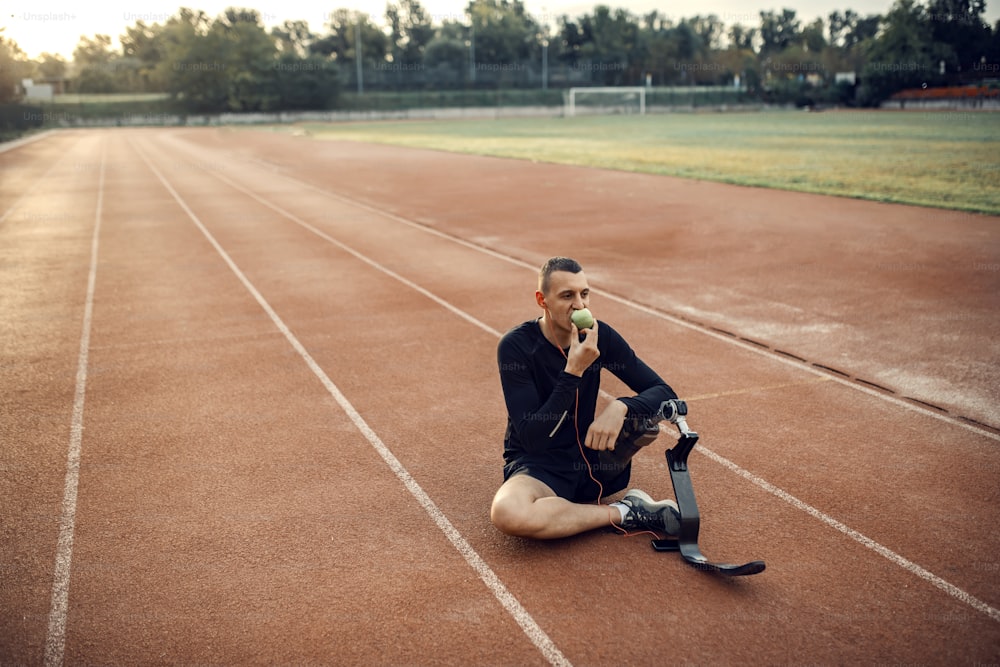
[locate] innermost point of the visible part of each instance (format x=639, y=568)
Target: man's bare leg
x=527, y=507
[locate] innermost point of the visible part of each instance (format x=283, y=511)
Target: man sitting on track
x=559, y=459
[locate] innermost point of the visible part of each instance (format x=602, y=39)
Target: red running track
x=275, y=359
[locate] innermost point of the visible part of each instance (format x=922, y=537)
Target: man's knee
x=508, y=516
x=512, y=515
x=513, y=511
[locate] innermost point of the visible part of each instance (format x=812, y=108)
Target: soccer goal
x=607, y=100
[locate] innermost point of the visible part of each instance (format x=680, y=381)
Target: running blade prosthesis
x=686, y=541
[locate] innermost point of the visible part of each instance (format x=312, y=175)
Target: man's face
x=567, y=292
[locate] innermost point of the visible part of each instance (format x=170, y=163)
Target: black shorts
x=574, y=483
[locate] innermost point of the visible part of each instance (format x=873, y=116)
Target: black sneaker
x=644, y=513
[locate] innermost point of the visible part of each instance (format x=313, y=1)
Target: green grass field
x=942, y=159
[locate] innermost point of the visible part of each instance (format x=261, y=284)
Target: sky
x=55, y=26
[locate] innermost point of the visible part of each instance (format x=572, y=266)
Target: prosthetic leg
x=687, y=540
x=641, y=432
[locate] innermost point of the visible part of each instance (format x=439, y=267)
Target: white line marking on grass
x=643, y=308
x=55, y=640
x=534, y=632
x=906, y=564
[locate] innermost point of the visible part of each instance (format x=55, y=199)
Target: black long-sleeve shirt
x=540, y=394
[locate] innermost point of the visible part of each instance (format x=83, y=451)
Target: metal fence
x=480, y=75
x=18, y=118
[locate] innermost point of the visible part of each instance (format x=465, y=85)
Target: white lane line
x=524, y=619
x=389, y=272
x=855, y=535
x=904, y=563
x=55, y=640
x=643, y=308
x=862, y=539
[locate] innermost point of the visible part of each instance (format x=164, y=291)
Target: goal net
x=610, y=100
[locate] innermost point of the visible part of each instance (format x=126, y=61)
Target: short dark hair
x=552, y=265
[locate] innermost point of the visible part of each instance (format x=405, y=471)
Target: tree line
x=232, y=62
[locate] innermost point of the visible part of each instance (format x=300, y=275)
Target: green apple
x=582, y=318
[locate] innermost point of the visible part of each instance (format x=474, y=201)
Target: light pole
x=472, y=48
x=545, y=63
x=357, y=55
x=545, y=49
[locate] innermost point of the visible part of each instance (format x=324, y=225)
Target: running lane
x=48, y=204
